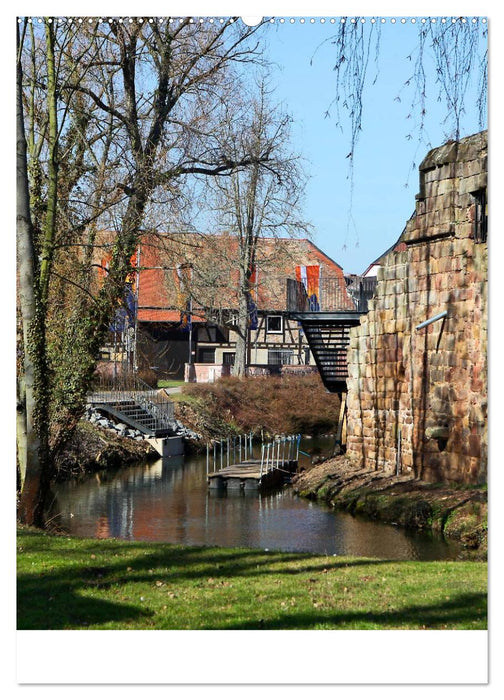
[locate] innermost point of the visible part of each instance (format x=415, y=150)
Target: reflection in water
x=169, y=501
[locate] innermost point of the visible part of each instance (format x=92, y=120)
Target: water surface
x=169, y=501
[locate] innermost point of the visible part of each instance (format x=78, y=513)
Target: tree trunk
x=52, y=169
x=21, y=434
x=31, y=455
x=240, y=362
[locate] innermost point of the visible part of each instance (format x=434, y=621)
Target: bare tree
x=260, y=199
x=457, y=48
x=449, y=65
x=113, y=130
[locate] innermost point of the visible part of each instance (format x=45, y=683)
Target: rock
x=438, y=432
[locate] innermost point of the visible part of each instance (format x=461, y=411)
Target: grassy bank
x=70, y=583
x=262, y=405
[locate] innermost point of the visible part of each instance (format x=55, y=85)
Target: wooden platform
x=249, y=475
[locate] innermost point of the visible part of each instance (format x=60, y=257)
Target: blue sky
x=384, y=158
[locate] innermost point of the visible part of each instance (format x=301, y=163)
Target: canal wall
x=457, y=514
x=417, y=397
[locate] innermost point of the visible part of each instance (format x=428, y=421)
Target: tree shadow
x=459, y=611
x=53, y=603
x=68, y=596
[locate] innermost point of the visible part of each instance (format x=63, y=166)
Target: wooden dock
x=279, y=460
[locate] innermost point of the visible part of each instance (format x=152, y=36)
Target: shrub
x=271, y=405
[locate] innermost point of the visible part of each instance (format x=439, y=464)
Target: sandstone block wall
x=417, y=399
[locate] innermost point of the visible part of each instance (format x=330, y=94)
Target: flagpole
x=190, y=330
x=190, y=314
x=135, y=350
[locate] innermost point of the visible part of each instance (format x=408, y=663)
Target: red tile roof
x=159, y=291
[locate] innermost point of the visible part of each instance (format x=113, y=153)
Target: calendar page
x=252, y=346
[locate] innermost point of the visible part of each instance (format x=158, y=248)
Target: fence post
x=207, y=458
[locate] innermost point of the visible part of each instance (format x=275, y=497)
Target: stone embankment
x=94, y=448
x=99, y=443
x=177, y=429
x=454, y=512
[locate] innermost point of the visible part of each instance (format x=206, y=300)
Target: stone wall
x=417, y=398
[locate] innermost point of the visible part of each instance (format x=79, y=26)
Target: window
x=228, y=358
x=480, y=216
x=274, y=324
x=206, y=355
x=280, y=357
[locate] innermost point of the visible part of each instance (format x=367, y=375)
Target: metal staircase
x=327, y=329
x=329, y=342
x=135, y=404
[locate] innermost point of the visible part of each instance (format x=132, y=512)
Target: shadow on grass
x=462, y=612
x=68, y=610
x=76, y=579
x=61, y=595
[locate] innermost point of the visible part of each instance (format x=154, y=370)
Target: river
x=169, y=501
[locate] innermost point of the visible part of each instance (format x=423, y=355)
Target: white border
x=280, y=657
x=302, y=657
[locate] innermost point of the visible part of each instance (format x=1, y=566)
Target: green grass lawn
x=72, y=583
x=170, y=383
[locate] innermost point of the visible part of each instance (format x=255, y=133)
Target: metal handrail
x=274, y=454
x=281, y=450
x=334, y=294
x=231, y=447
x=119, y=390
